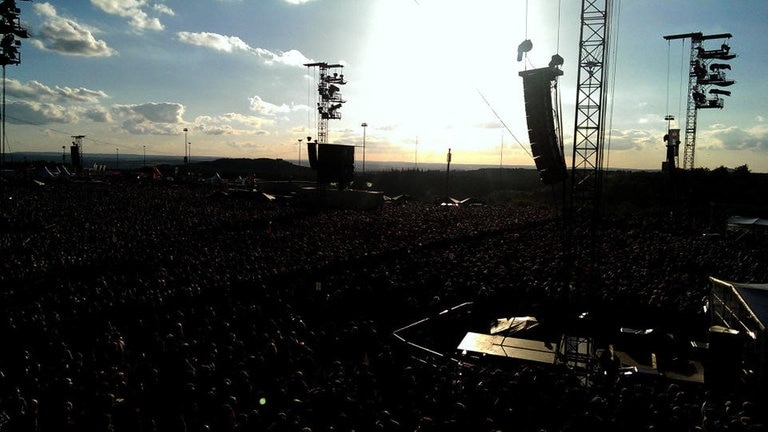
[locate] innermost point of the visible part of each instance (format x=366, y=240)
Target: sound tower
x=726, y=348
x=312, y=154
x=545, y=145
x=335, y=164
x=74, y=152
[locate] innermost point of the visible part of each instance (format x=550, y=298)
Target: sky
x=424, y=75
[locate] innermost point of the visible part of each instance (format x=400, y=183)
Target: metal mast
x=702, y=74
x=587, y=165
x=582, y=212
x=330, y=97
x=11, y=30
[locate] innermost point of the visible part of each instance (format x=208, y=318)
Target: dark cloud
x=23, y=112
x=36, y=91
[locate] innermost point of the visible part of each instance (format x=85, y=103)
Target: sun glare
x=442, y=58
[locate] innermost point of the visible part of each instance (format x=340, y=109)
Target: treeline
x=700, y=192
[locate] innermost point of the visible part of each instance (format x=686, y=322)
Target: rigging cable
x=669, y=62
x=680, y=86
x=614, y=16
x=559, y=6
x=502, y=122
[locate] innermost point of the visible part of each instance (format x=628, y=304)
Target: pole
x=2, y=139
x=416, y=154
x=145, y=155
x=189, y=152
x=501, y=160
x=448, y=174
x=63, y=155
x=300, y=140
x=364, y=125
x=117, y=158
x=185, y=145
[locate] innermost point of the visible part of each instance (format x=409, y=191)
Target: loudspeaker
x=723, y=366
x=545, y=146
x=74, y=153
x=335, y=163
x=312, y=154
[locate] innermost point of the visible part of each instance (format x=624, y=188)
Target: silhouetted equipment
x=524, y=47
x=718, y=66
x=720, y=92
x=726, y=348
x=672, y=138
x=556, y=61
x=312, y=154
x=701, y=75
x=74, y=153
x=10, y=29
x=335, y=164
x=542, y=132
x=330, y=97
x=738, y=315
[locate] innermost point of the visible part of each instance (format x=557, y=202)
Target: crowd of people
x=159, y=307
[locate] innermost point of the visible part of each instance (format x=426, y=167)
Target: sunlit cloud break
x=231, y=44
x=133, y=10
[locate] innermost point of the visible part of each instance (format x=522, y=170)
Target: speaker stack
x=542, y=133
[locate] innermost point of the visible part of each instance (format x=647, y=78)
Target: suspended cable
x=559, y=6
x=682, y=75
x=502, y=123
x=613, y=44
x=309, y=106
x=669, y=42
x=526, y=19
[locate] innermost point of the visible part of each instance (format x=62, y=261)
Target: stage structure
x=12, y=31
x=738, y=315
x=335, y=163
x=76, y=153
x=705, y=71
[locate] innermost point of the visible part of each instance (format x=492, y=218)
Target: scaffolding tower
x=330, y=100
x=581, y=211
x=704, y=72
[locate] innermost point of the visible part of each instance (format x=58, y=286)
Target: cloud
x=165, y=112
x=231, y=124
x=634, y=139
x=214, y=41
x=266, y=108
x=65, y=36
x=36, y=91
x=231, y=44
x=150, y=118
x=98, y=115
x=138, y=18
x=734, y=138
x=24, y=112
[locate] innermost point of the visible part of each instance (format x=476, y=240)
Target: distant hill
x=268, y=169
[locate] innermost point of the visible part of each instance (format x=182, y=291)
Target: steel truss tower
x=581, y=212
x=702, y=74
x=330, y=97
x=11, y=31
